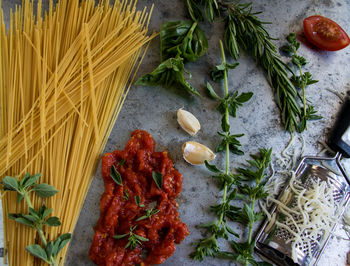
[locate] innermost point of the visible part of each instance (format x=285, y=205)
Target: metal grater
x=271, y=241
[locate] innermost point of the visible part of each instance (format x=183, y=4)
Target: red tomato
x=325, y=33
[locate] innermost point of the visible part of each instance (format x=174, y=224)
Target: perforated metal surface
x=276, y=241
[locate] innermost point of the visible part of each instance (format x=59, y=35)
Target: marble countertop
x=154, y=109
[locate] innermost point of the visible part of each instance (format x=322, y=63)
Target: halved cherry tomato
x=325, y=33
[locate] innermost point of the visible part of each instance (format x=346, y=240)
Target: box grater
x=272, y=241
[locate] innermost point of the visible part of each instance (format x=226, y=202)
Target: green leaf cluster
x=26, y=185
x=149, y=213
x=50, y=253
x=37, y=219
x=134, y=240
x=169, y=73
x=182, y=38
x=230, y=140
x=301, y=81
x=218, y=72
x=181, y=42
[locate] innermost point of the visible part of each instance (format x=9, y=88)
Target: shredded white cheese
x=309, y=215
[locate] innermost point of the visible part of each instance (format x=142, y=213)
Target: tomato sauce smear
x=119, y=210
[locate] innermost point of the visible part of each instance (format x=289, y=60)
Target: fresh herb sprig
x=251, y=188
x=302, y=80
x=37, y=219
x=246, y=185
x=133, y=240
x=149, y=213
x=208, y=246
x=244, y=30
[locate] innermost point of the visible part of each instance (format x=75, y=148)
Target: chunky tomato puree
x=119, y=210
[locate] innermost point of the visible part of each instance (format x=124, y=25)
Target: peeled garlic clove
x=188, y=122
x=196, y=153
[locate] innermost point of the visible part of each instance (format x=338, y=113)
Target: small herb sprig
x=133, y=240
x=37, y=219
x=149, y=213
x=302, y=80
x=250, y=188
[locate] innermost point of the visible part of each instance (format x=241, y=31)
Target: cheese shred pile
x=64, y=75
x=307, y=211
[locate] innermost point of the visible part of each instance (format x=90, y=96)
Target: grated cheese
x=311, y=216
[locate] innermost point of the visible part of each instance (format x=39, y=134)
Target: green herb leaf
x=212, y=93
x=218, y=73
x=10, y=183
x=120, y=236
x=24, y=179
x=63, y=240
x=169, y=73
x=116, y=176
x=126, y=194
x=212, y=167
x=45, y=190
x=121, y=163
x=49, y=249
x=148, y=215
x=194, y=10
x=158, y=179
x=31, y=180
x=19, y=197
x=141, y=238
x=53, y=221
x=37, y=251
x=184, y=39
x=137, y=200
x=47, y=212
x=225, y=126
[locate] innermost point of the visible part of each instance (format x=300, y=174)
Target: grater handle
x=340, y=137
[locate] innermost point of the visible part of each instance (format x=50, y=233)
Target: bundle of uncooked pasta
x=64, y=75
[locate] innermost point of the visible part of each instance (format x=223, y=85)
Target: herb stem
x=42, y=236
x=38, y=229
x=227, y=169
x=27, y=199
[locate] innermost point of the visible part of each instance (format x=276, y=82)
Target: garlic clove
x=188, y=122
x=196, y=153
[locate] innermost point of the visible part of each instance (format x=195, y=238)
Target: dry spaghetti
x=64, y=76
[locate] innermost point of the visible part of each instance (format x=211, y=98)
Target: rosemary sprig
x=37, y=219
x=133, y=240
x=149, y=213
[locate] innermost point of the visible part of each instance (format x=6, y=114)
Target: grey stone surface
x=154, y=109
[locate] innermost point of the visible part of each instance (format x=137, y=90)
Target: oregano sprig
x=302, y=80
x=37, y=219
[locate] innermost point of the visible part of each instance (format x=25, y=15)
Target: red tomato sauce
x=119, y=211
